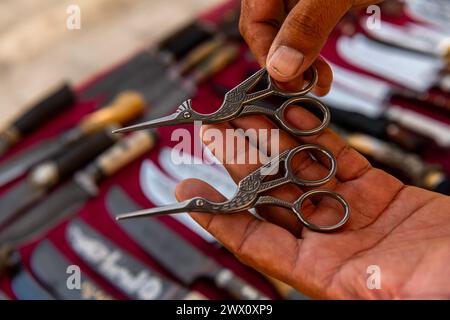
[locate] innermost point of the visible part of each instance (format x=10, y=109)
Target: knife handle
x=60, y=99
x=433, y=99
x=184, y=40
x=215, y=63
x=200, y=53
x=77, y=154
x=379, y=127
x=226, y=279
x=125, y=151
x=127, y=106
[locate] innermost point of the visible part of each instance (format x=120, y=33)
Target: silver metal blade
x=26, y=288
x=17, y=199
x=173, y=252
x=60, y=205
x=20, y=163
x=168, y=209
x=160, y=122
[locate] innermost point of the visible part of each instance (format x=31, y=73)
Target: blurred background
x=37, y=51
x=72, y=71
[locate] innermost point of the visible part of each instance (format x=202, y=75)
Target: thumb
x=302, y=36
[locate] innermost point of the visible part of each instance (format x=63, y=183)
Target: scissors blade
x=168, y=209
x=169, y=120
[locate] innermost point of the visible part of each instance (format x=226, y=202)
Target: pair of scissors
x=240, y=102
x=251, y=189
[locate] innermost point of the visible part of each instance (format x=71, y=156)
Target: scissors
x=251, y=188
x=239, y=102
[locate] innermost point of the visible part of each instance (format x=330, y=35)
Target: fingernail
x=286, y=61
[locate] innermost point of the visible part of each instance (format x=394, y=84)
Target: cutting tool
x=251, y=188
x=239, y=102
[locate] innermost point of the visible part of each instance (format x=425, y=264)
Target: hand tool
x=122, y=270
x=23, y=285
x=50, y=267
x=357, y=93
x=421, y=174
x=411, y=70
x=48, y=174
x=56, y=102
x=125, y=107
x=66, y=201
x=250, y=189
x=174, y=253
x=239, y=102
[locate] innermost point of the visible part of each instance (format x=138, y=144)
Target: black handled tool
x=55, y=103
x=48, y=174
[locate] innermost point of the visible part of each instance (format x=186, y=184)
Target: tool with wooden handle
x=67, y=200
x=59, y=100
x=126, y=107
x=46, y=175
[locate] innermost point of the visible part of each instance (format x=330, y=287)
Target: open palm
x=403, y=230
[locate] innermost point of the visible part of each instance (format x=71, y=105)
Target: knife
x=123, y=271
x=421, y=174
x=24, y=286
x=182, y=259
x=124, y=108
x=66, y=201
x=50, y=267
x=411, y=70
x=56, y=102
x=48, y=174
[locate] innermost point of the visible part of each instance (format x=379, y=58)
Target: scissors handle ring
x=310, y=183
x=298, y=211
x=280, y=116
x=311, y=84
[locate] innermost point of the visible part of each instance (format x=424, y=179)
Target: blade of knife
x=121, y=269
x=58, y=206
x=182, y=259
x=25, y=287
x=50, y=267
x=18, y=164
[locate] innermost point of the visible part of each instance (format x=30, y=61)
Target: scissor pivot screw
x=186, y=115
x=199, y=202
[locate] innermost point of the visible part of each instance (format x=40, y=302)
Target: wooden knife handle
x=127, y=150
x=127, y=106
x=60, y=99
x=221, y=58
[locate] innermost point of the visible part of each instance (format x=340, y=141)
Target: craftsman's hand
x=287, y=36
x=402, y=229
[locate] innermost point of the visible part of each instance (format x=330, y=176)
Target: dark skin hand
x=402, y=229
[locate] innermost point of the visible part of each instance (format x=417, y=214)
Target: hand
x=402, y=229
x=287, y=36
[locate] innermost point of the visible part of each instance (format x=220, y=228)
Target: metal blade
x=17, y=199
x=50, y=267
x=169, y=120
x=174, y=253
x=61, y=204
x=168, y=209
x=20, y=163
x=25, y=287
